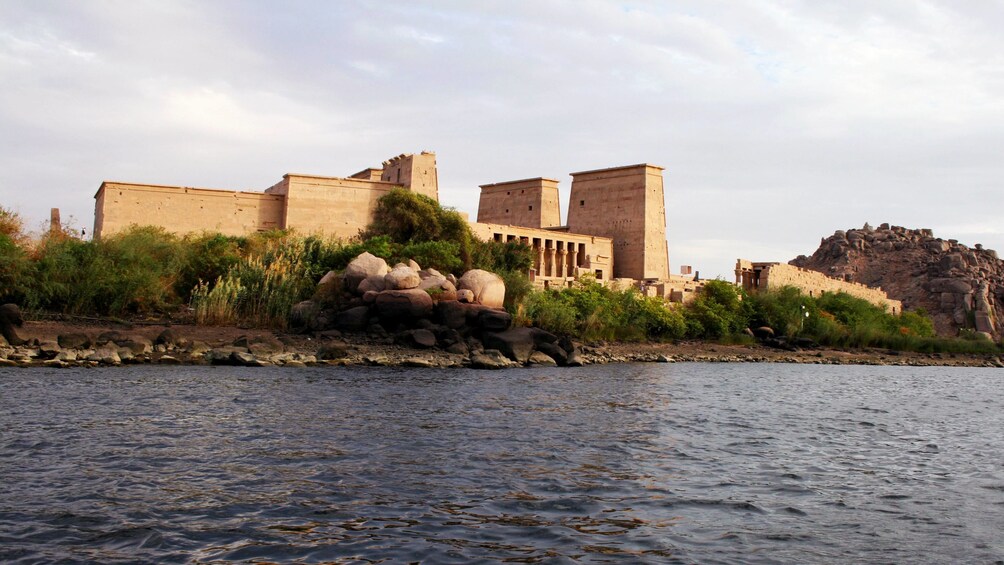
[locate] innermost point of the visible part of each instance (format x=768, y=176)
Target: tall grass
x=258, y=290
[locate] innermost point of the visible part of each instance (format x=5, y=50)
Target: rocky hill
x=960, y=287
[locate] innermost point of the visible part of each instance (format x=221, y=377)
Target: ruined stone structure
x=616, y=223
x=961, y=287
x=333, y=206
x=560, y=257
x=183, y=209
x=766, y=276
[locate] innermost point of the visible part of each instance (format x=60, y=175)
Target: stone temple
x=616, y=227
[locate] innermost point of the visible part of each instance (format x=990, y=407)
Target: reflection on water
x=639, y=463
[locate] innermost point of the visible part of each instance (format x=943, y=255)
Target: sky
x=777, y=122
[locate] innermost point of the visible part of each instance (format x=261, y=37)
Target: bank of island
x=370, y=269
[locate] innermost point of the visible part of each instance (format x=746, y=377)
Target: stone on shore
x=488, y=288
x=365, y=265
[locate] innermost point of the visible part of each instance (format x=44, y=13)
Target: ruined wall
x=559, y=256
x=182, y=209
x=760, y=276
x=336, y=207
x=531, y=203
x=414, y=172
x=627, y=205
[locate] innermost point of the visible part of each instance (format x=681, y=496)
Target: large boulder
x=353, y=319
x=402, y=277
x=517, y=343
x=397, y=306
x=487, y=287
x=439, y=288
x=365, y=265
x=375, y=283
x=10, y=318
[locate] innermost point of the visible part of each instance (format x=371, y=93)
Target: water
x=680, y=463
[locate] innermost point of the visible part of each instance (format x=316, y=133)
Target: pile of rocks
x=83, y=349
x=424, y=309
x=960, y=287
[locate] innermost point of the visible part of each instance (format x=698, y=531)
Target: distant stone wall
x=768, y=276
x=183, y=210
x=559, y=256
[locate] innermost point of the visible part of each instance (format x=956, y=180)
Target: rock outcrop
x=423, y=309
x=959, y=287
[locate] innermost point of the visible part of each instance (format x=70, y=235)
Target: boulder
x=559, y=355
x=333, y=350
x=541, y=359
x=451, y=314
x=422, y=339
x=402, y=277
x=10, y=318
x=374, y=283
x=74, y=340
x=439, y=288
x=489, y=359
x=489, y=319
x=426, y=273
x=413, y=265
x=487, y=287
x=516, y=343
x=365, y=265
x=763, y=332
x=353, y=319
x=168, y=338
x=302, y=314
x=328, y=278
x=398, y=306
x=370, y=296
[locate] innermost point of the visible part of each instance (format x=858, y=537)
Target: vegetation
x=255, y=280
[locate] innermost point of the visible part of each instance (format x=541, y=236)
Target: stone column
x=550, y=262
x=572, y=256
x=562, y=272
x=540, y=261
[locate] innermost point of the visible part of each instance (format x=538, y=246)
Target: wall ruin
x=753, y=276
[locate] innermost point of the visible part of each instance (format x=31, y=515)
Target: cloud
x=777, y=122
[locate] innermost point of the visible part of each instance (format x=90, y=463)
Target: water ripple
x=680, y=463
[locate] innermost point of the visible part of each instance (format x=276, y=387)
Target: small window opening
x=531, y=207
x=582, y=202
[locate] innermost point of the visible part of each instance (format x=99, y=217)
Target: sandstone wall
x=627, y=205
x=531, y=203
x=776, y=275
x=182, y=209
x=336, y=207
x=559, y=256
x=414, y=172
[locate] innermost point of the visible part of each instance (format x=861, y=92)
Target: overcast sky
x=778, y=122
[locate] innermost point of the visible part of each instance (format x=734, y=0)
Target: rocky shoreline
x=62, y=345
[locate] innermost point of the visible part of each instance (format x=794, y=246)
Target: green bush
x=593, y=312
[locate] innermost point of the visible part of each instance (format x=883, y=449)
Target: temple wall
x=531, y=203
x=183, y=210
x=336, y=207
x=560, y=257
x=627, y=205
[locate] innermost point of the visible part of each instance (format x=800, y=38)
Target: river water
x=647, y=463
